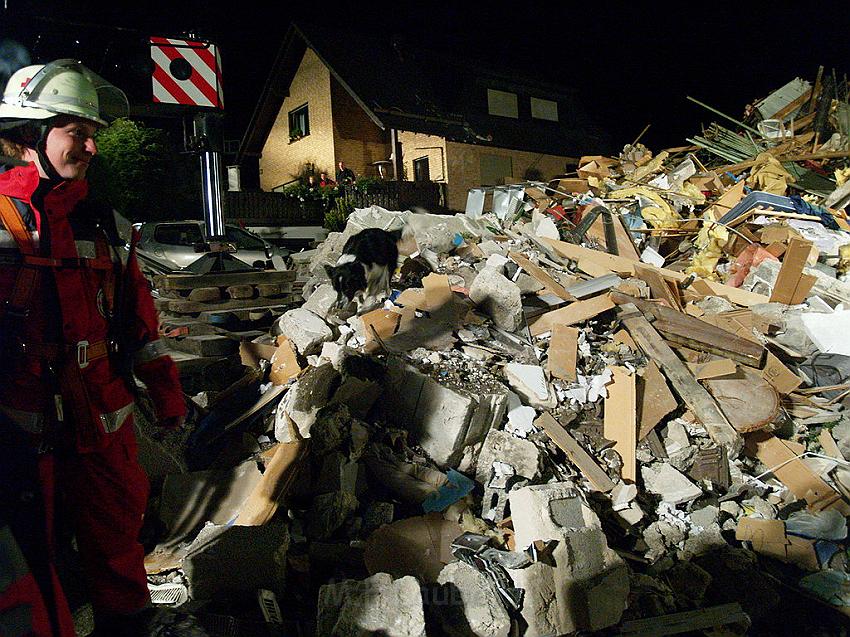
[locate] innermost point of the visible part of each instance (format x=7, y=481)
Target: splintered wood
x=620, y=422
x=575, y=452
x=792, y=286
x=570, y=315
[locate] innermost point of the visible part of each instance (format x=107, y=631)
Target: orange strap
x=11, y=218
x=21, y=296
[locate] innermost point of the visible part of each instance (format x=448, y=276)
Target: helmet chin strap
x=41, y=151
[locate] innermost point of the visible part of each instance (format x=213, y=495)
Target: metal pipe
x=211, y=193
x=731, y=119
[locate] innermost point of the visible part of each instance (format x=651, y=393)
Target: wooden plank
x=685, y=622
x=828, y=444
x=625, y=245
x=620, y=420
x=655, y=399
x=221, y=279
x=563, y=351
x=690, y=391
x=184, y=306
x=781, y=457
x=614, y=263
x=783, y=379
x=575, y=452
x=657, y=285
x=278, y=478
x=714, y=369
x=541, y=276
x=697, y=334
x=571, y=314
x=785, y=290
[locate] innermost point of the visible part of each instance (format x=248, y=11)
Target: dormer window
x=502, y=103
x=544, y=109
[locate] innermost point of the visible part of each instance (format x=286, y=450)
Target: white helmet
x=62, y=87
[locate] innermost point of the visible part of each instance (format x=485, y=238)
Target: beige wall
x=357, y=139
x=464, y=168
x=417, y=145
x=281, y=161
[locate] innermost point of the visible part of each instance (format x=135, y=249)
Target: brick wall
x=464, y=168
x=357, y=140
x=418, y=145
x=282, y=161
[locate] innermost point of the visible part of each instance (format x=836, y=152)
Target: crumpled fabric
x=709, y=242
x=768, y=175
x=654, y=209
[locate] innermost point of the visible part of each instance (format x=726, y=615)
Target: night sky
x=631, y=65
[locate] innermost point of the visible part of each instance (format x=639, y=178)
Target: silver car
x=179, y=243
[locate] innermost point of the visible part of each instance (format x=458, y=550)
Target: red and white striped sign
x=186, y=72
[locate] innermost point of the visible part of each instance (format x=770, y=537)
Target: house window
x=495, y=169
x=421, y=169
x=544, y=109
x=502, y=103
x=299, y=123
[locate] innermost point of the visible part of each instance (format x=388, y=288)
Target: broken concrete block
x=589, y=580
x=442, y=420
x=529, y=381
x=321, y=300
x=329, y=512
x=311, y=392
x=528, y=284
x=473, y=607
x=546, y=511
x=499, y=298
x=662, y=479
x=377, y=605
x=586, y=590
x=304, y=329
x=499, y=445
x=358, y=395
x=229, y=559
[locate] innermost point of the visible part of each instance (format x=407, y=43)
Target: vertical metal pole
x=211, y=185
x=398, y=166
x=207, y=141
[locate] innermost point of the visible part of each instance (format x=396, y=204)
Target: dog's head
x=348, y=280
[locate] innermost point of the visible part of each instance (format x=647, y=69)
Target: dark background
x=631, y=65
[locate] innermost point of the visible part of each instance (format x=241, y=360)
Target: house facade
x=389, y=113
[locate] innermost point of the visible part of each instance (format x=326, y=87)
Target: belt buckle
x=83, y=354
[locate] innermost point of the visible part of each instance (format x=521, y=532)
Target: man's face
x=71, y=146
x=342, y=165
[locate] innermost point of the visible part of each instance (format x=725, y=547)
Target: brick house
x=334, y=96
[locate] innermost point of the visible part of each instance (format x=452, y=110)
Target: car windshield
x=243, y=240
x=178, y=234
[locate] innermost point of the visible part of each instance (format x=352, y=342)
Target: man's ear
x=329, y=270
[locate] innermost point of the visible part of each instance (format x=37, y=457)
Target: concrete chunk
x=377, y=605
x=440, y=419
x=228, y=559
x=529, y=381
x=501, y=446
x=302, y=402
x=546, y=511
x=306, y=330
x=472, y=605
x=321, y=300
x=499, y=298
x=673, y=487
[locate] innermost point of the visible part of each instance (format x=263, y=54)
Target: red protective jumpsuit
x=65, y=409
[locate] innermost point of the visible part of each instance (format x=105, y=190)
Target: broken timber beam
x=695, y=396
x=698, y=335
x=575, y=452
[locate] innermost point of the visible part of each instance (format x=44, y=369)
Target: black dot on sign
x=180, y=69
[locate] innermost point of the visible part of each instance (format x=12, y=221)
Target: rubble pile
x=615, y=402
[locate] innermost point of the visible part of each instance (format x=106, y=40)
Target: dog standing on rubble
x=369, y=259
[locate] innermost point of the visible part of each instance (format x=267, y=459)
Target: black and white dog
x=369, y=259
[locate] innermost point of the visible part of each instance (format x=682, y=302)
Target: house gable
x=285, y=157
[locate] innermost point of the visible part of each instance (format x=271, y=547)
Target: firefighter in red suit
x=77, y=323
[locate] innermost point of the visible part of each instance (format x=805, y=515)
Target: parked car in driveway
x=179, y=243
